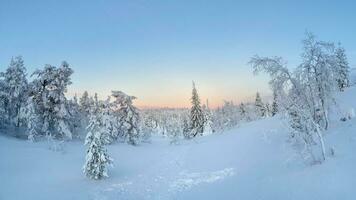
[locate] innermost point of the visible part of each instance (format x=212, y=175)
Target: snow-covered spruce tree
x=220, y=119
x=242, y=110
x=109, y=122
x=149, y=126
x=196, y=115
x=48, y=88
x=268, y=109
x=128, y=117
x=95, y=100
x=186, y=128
x=165, y=121
x=230, y=115
x=30, y=114
x=15, y=88
x=85, y=103
x=342, y=69
x=76, y=116
x=274, y=104
x=97, y=158
x=208, y=123
x=260, y=107
x=3, y=103
x=175, y=128
x=172, y=122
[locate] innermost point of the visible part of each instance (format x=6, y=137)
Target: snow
x=189, y=180
x=353, y=76
x=253, y=161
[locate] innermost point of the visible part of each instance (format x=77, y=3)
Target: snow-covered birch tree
x=298, y=104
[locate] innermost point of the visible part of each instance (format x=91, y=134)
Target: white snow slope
x=254, y=161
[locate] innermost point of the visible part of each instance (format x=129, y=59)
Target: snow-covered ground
x=353, y=76
x=254, y=161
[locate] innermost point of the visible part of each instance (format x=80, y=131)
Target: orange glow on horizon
x=176, y=101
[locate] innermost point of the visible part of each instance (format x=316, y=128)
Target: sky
x=155, y=49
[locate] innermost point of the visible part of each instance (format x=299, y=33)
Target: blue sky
x=154, y=49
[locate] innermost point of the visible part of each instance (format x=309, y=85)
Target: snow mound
x=190, y=180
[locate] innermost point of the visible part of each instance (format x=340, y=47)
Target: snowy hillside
x=254, y=161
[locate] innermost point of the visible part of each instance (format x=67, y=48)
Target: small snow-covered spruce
x=268, y=110
x=274, y=104
x=85, y=103
x=128, y=117
x=32, y=119
x=97, y=158
x=242, y=110
x=260, y=108
x=109, y=122
x=76, y=116
x=186, y=129
x=95, y=100
x=342, y=68
x=174, y=129
x=149, y=126
x=196, y=115
x=2, y=103
x=208, y=123
x=229, y=115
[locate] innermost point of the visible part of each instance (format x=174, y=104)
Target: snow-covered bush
x=349, y=114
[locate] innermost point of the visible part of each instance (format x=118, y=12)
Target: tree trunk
x=321, y=140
